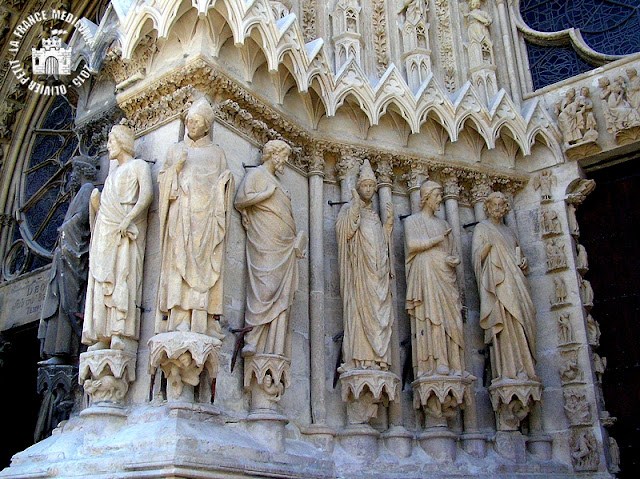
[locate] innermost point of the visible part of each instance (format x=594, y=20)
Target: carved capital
x=182, y=356
x=416, y=175
x=362, y=389
x=266, y=376
x=480, y=189
x=510, y=399
x=384, y=172
x=106, y=374
x=346, y=166
x=450, y=185
x=316, y=163
x=440, y=395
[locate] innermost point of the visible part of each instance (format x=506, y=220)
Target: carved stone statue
x=614, y=454
x=507, y=313
x=273, y=247
x=565, y=331
x=480, y=47
x=196, y=190
x=575, y=117
x=114, y=290
x=617, y=110
x=545, y=182
x=584, y=451
x=576, y=407
x=118, y=233
x=61, y=319
x=365, y=278
x=559, y=297
x=433, y=301
x=633, y=88
x=549, y=223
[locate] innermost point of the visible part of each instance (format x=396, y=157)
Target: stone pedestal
x=540, y=446
x=440, y=395
x=399, y=441
x=511, y=399
x=57, y=385
x=182, y=357
x=439, y=443
x=474, y=444
x=511, y=445
x=106, y=374
x=364, y=389
x=320, y=435
x=360, y=440
x=268, y=428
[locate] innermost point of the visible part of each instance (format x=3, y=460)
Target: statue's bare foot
x=117, y=343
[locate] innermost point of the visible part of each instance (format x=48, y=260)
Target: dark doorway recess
x=609, y=225
x=19, y=400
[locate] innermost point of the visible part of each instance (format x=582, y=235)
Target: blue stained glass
x=608, y=26
x=60, y=115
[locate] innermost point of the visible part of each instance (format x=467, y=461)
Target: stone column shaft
x=395, y=407
x=509, y=52
x=316, y=298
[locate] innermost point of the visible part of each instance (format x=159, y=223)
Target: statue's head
x=199, y=119
x=82, y=171
x=367, y=184
x=631, y=72
x=584, y=91
x=604, y=82
x=497, y=205
x=430, y=195
x=571, y=92
x=278, y=152
x=120, y=140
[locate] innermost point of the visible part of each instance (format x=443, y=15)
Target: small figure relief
x=556, y=256
x=593, y=331
x=280, y=9
x=273, y=248
x=433, y=303
x=196, y=193
x=545, y=182
x=618, y=112
x=584, y=451
x=614, y=456
x=576, y=120
x=118, y=219
x=570, y=372
x=582, y=260
x=365, y=285
x=576, y=407
x=479, y=44
x=507, y=314
x=549, y=223
x=586, y=294
x=60, y=327
x=565, y=330
x=599, y=366
x=559, y=297
x=574, y=228
x=414, y=11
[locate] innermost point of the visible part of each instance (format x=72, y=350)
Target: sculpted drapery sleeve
x=365, y=285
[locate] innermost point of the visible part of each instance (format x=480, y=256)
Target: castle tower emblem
x=52, y=58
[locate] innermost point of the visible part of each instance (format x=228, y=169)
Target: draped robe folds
x=194, y=210
x=271, y=260
x=365, y=285
x=433, y=300
x=60, y=328
x=114, y=287
x=507, y=313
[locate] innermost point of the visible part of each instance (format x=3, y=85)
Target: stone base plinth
x=511, y=445
x=399, y=441
x=439, y=443
x=268, y=428
x=360, y=440
x=540, y=446
x=320, y=435
x=475, y=444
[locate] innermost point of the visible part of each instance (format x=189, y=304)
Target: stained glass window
x=45, y=193
x=608, y=26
